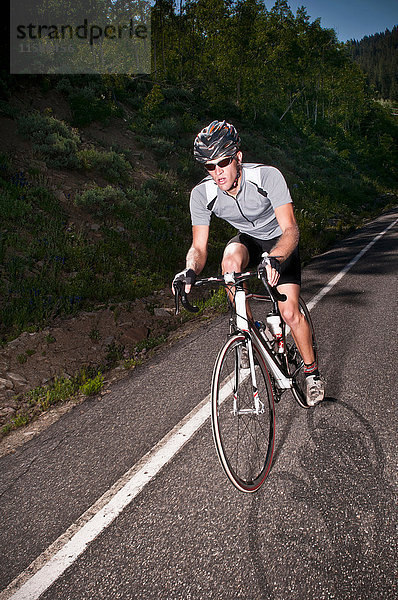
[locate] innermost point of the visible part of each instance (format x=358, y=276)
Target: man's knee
x=290, y=313
x=235, y=258
x=230, y=264
x=290, y=309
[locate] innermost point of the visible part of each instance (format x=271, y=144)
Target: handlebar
x=179, y=288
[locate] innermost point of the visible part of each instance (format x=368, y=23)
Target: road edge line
x=61, y=554
x=314, y=301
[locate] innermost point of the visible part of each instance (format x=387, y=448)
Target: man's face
x=225, y=176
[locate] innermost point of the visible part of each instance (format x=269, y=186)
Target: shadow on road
x=326, y=529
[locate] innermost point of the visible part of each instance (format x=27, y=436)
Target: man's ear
x=239, y=156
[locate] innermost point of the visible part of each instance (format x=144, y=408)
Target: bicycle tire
x=295, y=363
x=245, y=441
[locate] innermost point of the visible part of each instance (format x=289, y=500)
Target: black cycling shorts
x=290, y=268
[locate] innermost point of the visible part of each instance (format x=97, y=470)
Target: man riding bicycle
x=253, y=198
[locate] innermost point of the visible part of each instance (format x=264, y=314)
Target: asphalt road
x=322, y=527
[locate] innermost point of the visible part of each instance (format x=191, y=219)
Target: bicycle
x=243, y=399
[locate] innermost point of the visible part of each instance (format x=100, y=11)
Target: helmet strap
x=238, y=173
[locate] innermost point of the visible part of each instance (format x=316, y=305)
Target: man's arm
x=197, y=254
x=290, y=233
x=288, y=240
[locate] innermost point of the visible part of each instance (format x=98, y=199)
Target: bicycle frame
x=283, y=381
x=242, y=323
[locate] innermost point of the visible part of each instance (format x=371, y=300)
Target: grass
x=150, y=343
x=42, y=398
x=93, y=385
x=58, y=144
x=52, y=268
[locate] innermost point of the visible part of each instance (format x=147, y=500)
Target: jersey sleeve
x=276, y=186
x=200, y=214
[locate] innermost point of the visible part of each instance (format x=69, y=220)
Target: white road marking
x=54, y=561
x=345, y=270
x=64, y=551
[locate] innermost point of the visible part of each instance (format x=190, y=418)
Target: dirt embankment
x=67, y=345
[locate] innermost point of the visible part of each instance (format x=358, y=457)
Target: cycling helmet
x=215, y=141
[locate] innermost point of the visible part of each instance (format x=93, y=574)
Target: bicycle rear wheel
x=295, y=363
x=244, y=437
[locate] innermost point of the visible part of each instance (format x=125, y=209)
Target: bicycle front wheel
x=295, y=362
x=243, y=416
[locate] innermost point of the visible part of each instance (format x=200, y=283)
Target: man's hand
x=187, y=276
x=273, y=268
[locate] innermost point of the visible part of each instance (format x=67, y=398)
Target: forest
x=266, y=62
x=377, y=55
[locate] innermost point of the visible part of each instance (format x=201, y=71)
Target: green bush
x=160, y=146
x=87, y=106
x=89, y=99
x=153, y=103
x=166, y=128
x=53, y=139
x=141, y=199
x=60, y=390
x=102, y=201
x=112, y=165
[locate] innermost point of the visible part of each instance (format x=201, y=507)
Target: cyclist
x=253, y=198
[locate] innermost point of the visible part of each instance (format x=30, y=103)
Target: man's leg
x=235, y=260
x=297, y=322
x=302, y=335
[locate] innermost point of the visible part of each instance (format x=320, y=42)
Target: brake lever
x=187, y=305
x=273, y=292
x=180, y=293
x=177, y=291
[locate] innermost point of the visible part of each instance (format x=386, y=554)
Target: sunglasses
x=222, y=163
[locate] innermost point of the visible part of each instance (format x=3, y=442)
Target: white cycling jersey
x=262, y=189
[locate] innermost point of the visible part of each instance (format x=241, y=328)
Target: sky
x=351, y=19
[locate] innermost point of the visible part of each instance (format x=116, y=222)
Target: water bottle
x=275, y=326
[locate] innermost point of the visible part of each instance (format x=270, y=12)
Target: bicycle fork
x=258, y=406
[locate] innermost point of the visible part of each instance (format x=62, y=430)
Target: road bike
x=257, y=363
